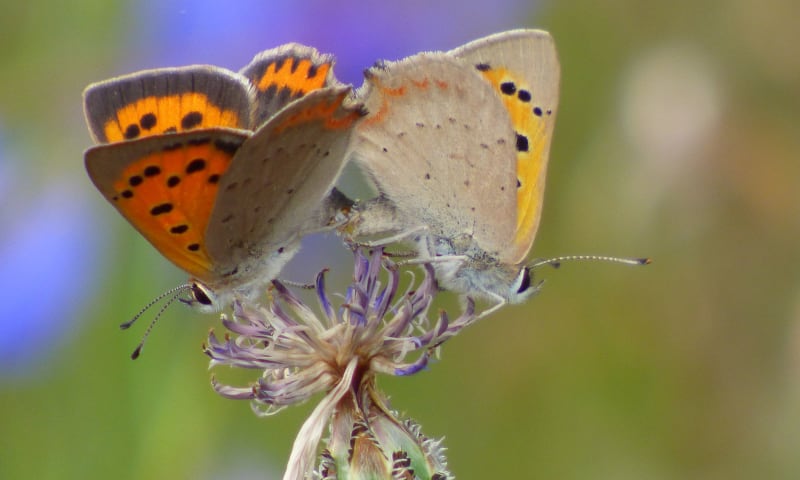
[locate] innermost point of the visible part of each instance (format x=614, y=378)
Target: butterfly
x=222, y=172
x=457, y=144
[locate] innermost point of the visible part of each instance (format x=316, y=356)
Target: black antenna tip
x=175, y=292
x=171, y=291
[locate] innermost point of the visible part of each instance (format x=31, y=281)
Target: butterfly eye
x=199, y=294
x=524, y=280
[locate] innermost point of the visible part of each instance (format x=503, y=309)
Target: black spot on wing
x=196, y=165
x=191, y=120
x=132, y=131
x=228, y=147
x=522, y=143
x=161, y=209
x=148, y=121
x=508, y=88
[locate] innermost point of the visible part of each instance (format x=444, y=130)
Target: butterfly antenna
x=177, y=291
x=147, y=307
x=555, y=262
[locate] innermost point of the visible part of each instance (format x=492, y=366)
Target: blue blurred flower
x=49, y=255
x=176, y=32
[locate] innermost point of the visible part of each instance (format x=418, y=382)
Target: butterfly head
x=482, y=276
x=523, y=286
x=202, y=298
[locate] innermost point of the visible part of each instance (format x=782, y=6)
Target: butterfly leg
x=501, y=302
x=399, y=237
x=439, y=259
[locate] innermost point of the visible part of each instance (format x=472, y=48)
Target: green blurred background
x=677, y=138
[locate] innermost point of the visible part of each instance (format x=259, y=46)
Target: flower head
x=375, y=329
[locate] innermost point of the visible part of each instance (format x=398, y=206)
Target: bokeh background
x=678, y=138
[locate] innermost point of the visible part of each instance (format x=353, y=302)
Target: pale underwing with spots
x=457, y=145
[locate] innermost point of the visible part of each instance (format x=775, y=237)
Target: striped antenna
x=175, y=294
x=555, y=262
x=147, y=307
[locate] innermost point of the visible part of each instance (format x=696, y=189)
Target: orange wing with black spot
x=167, y=137
x=167, y=100
x=166, y=187
x=286, y=73
x=179, y=161
x=522, y=66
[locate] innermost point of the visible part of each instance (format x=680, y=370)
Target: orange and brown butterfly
x=223, y=172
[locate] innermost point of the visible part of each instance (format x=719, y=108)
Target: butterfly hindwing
x=286, y=73
x=275, y=186
x=523, y=68
x=167, y=100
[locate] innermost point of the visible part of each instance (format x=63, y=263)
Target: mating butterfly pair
x=225, y=172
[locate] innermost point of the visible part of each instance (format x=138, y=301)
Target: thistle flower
x=339, y=352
